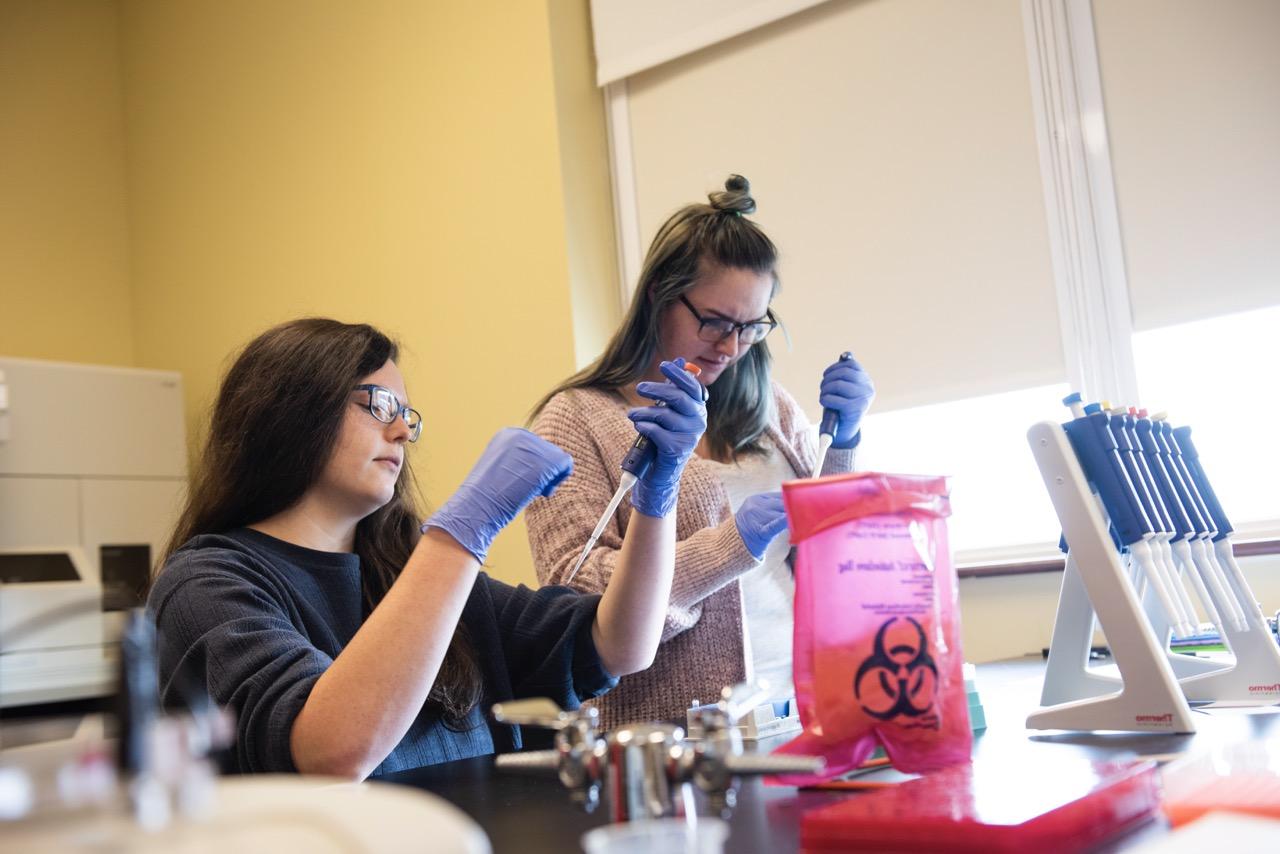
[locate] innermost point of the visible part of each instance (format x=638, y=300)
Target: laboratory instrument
x=93, y=469
x=634, y=465
x=827, y=428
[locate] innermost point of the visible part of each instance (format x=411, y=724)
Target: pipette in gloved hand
x=635, y=465
x=827, y=428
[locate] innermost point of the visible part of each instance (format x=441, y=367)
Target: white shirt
x=769, y=590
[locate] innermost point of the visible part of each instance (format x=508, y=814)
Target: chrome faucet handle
x=535, y=711
x=740, y=699
x=579, y=754
x=772, y=763
x=717, y=725
x=718, y=759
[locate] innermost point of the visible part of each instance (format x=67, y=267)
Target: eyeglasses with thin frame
x=716, y=329
x=385, y=406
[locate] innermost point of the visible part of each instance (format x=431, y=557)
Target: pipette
x=827, y=428
x=1203, y=529
x=1096, y=447
x=634, y=466
x=1123, y=429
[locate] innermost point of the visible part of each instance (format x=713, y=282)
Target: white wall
x=891, y=147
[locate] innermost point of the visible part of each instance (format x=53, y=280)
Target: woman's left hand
x=515, y=468
x=847, y=389
x=674, y=430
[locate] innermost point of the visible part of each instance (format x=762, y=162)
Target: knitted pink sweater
x=702, y=649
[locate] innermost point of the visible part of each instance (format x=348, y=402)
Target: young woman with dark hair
x=705, y=290
x=349, y=637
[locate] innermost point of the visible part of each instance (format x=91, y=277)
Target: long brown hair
x=717, y=233
x=274, y=426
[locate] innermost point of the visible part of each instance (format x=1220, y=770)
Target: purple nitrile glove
x=760, y=518
x=847, y=389
x=515, y=468
x=674, y=429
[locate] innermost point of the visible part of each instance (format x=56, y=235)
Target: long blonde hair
x=715, y=233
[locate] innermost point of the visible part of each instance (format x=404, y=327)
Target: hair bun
x=735, y=197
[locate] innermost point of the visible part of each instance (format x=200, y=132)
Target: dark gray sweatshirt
x=257, y=620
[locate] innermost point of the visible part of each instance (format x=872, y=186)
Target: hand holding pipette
x=669, y=431
x=845, y=394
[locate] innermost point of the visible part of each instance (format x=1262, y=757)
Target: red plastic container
x=1060, y=806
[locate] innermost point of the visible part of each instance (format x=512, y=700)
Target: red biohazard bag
x=877, y=627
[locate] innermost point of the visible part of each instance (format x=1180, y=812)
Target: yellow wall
x=190, y=173
x=64, y=266
x=393, y=162
x=584, y=155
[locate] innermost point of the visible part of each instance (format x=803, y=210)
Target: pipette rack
x=1154, y=684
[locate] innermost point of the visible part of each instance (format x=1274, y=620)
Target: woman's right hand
x=515, y=468
x=674, y=429
x=761, y=518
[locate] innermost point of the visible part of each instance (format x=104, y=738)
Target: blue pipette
x=1203, y=526
x=634, y=465
x=827, y=427
x=1203, y=578
x=1123, y=429
x=1180, y=438
x=1099, y=455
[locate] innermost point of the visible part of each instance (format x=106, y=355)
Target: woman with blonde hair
x=704, y=292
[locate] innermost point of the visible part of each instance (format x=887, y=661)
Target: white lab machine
x=93, y=471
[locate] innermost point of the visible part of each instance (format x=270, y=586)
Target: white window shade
x=1192, y=91
x=635, y=35
x=891, y=148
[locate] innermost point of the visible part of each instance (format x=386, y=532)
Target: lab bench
x=528, y=813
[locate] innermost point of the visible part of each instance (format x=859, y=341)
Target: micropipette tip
x=824, y=443
x=627, y=481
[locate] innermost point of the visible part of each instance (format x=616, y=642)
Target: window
x=1000, y=510
x=1218, y=376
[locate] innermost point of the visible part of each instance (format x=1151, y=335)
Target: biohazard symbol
x=904, y=674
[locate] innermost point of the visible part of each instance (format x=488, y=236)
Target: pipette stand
x=1250, y=675
x=1095, y=584
x=1254, y=675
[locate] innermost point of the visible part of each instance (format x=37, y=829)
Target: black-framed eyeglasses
x=385, y=406
x=719, y=328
